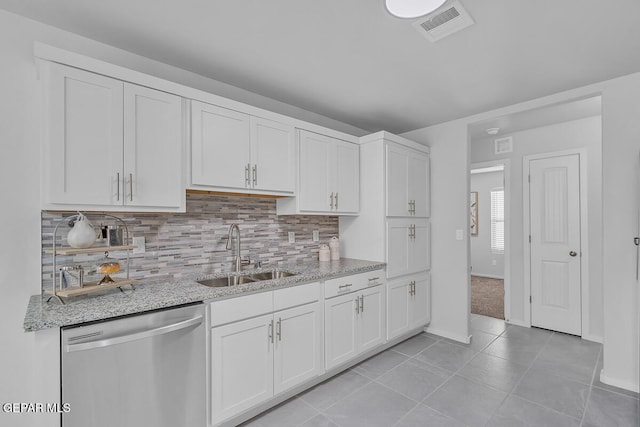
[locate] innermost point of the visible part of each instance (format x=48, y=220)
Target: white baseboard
x=489, y=276
x=593, y=338
x=627, y=385
x=446, y=334
x=518, y=322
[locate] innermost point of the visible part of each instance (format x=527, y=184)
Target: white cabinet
x=407, y=246
x=242, y=366
x=407, y=182
x=254, y=359
x=354, y=323
x=298, y=346
x=408, y=304
x=328, y=177
x=110, y=145
x=235, y=151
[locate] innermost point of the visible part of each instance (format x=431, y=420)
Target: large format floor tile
x=493, y=371
x=446, y=355
x=466, y=401
x=521, y=377
x=609, y=409
x=517, y=412
x=333, y=390
x=293, y=412
x=380, y=364
x=563, y=395
x=422, y=416
x=414, y=345
x=372, y=406
x=414, y=379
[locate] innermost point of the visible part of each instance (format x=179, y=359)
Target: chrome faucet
x=237, y=262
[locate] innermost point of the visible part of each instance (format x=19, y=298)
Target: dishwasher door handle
x=137, y=336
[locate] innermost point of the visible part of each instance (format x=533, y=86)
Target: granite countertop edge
x=153, y=294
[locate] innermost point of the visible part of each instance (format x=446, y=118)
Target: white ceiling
x=352, y=61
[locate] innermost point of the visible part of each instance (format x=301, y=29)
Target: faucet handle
x=259, y=264
x=245, y=261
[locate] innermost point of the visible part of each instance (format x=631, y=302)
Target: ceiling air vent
x=445, y=21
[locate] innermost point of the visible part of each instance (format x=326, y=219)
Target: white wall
x=29, y=361
x=584, y=133
x=620, y=204
x=483, y=261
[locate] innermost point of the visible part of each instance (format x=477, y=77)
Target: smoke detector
x=445, y=21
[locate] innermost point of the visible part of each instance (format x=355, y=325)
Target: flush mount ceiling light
x=412, y=8
x=493, y=131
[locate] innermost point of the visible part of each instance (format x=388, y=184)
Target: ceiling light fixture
x=493, y=131
x=412, y=8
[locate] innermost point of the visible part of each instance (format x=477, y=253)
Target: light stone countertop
x=156, y=294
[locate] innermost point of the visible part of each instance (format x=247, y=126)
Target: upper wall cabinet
x=329, y=177
x=110, y=145
x=233, y=151
x=407, y=182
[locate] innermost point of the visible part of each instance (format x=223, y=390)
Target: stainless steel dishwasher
x=146, y=369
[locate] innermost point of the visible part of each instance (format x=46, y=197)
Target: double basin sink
x=233, y=280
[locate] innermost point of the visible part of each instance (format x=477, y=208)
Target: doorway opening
x=488, y=225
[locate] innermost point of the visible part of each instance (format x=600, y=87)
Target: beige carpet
x=487, y=297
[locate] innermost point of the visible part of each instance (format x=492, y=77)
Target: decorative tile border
x=179, y=244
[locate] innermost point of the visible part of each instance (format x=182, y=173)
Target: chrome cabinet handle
x=247, y=179
x=331, y=197
x=271, y=331
x=118, y=186
x=573, y=253
x=131, y=187
x=336, y=201
x=357, y=305
x=255, y=175
x=362, y=304
x=348, y=285
x=279, y=329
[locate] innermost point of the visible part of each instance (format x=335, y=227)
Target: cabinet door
x=347, y=177
x=421, y=301
x=273, y=161
x=371, y=331
x=242, y=366
x=340, y=329
x=397, y=181
x=220, y=141
x=399, y=245
x=315, y=165
x=418, y=183
x=298, y=346
x=84, y=151
x=419, y=254
x=399, y=300
x=153, y=148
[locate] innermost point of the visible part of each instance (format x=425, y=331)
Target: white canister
x=325, y=254
x=334, y=247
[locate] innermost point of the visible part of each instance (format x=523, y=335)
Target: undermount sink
x=268, y=275
x=221, y=282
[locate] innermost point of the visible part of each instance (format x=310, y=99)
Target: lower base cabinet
x=255, y=359
x=354, y=323
x=408, y=304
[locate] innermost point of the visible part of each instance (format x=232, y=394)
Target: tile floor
x=508, y=376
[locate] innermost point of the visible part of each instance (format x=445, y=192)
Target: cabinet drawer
x=295, y=295
x=354, y=282
x=234, y=309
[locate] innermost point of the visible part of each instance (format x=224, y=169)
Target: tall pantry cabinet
x=393, y=225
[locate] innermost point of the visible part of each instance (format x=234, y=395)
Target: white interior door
x=554, y=194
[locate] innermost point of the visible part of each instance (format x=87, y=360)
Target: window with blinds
x=497, y=221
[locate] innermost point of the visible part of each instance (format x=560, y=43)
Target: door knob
x=572, y=253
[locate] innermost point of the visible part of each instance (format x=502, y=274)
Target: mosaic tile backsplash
x=195, y=242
